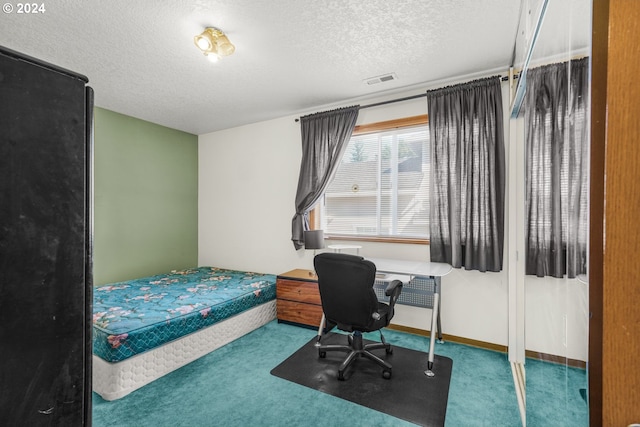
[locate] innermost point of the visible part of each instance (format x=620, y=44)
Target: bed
x=148, y=327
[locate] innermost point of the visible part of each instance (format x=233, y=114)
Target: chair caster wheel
x=386, y=374
x=341, y=376
x=389, y=350
x=322, y=354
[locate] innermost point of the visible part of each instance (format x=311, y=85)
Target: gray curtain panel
x=324, y=138
x=467, y=175
x=557, y=169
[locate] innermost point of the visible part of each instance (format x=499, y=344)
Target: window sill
x=378, y=239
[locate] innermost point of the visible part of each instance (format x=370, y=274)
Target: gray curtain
x=324, y=138
x=557, y=169
x=467, y=175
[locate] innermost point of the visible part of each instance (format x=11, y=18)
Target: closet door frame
x=614, y=344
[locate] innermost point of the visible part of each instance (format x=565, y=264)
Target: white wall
x=557, y=317
x=247, y=183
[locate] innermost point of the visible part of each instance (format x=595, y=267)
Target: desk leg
x=320, y=329
x=434, y=327
x=440, y=339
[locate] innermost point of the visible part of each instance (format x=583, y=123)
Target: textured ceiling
x=291, y=55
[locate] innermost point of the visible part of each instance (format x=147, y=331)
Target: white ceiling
x=291, y=55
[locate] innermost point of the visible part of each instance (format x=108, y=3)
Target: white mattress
x=115, y=380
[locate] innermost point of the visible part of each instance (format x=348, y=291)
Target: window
x=381, y=188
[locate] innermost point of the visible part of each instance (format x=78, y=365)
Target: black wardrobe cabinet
x=46, y=137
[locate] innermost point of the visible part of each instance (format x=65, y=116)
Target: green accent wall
x=145, y=198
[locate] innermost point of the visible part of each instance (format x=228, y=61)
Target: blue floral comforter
x=137, y=315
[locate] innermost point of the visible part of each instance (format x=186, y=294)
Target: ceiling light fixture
x=214, y=44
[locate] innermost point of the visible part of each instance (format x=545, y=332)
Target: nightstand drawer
x=295, y=290
x=299, y=312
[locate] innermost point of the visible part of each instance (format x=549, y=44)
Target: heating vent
x=381, y=79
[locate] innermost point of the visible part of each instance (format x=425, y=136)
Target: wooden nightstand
x=298, y=298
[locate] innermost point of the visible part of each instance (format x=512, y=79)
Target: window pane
x=381, y=187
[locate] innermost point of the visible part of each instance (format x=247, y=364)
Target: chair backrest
x=346, y=289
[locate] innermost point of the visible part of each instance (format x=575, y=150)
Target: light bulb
x=212, y=57
x=203, y=43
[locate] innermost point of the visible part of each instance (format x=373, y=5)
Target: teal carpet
x=232, y=386
x=556, y=393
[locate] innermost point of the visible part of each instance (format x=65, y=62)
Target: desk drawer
x=299, y=312
x=294, y=290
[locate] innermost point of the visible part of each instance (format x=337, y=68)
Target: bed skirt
x=115, y=380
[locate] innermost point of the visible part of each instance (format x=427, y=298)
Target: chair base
x=356, y=349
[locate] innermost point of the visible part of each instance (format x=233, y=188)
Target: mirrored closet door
x=550, y=144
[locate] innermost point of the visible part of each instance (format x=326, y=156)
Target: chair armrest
x=393, y=290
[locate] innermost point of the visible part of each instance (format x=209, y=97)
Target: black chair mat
x=409, y=394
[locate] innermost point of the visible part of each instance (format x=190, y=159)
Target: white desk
x=411, y=268
x=434, y=270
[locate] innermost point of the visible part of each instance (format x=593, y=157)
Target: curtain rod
x=406, y=98
x=391, y=101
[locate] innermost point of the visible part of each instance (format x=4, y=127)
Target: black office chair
x=349, y=301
